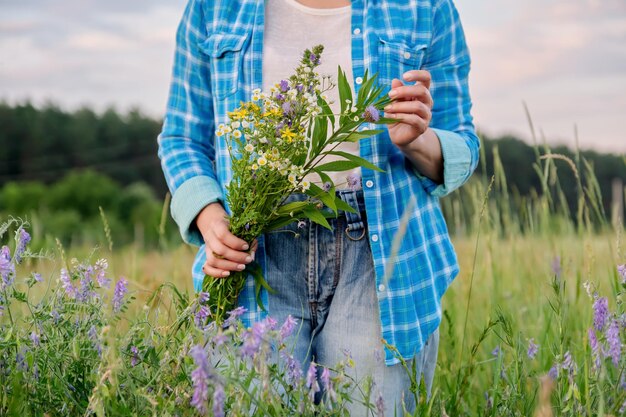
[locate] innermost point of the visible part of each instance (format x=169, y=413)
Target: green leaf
x=326, y=110
x=327, y=198
x=280, y=222
x=316, y=216
x=259, y=281
x=345, y=91
x=357, y=159
x=343, y=206
x=295, y=206
x=337, y=166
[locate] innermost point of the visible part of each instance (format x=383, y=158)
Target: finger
x=411, y=92
x=395, y=83
x=420, y=76
x=222, y=233
x=413, y=107
x=223, y=264
x=214, y=272
x=224, y=252
x=410, y=119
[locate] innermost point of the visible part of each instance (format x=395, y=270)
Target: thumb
x=395, y=83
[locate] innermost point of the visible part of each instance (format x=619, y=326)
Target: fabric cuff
x=188, y=200
x=457, y=158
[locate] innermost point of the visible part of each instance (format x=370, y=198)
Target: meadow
x=533, y=325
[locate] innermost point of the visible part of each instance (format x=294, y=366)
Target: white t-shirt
x=290, y=28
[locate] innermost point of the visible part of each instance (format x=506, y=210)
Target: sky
x=565, y=59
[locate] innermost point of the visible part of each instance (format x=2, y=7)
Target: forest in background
x=73, y=163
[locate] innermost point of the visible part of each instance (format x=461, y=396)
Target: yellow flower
x=288, y=134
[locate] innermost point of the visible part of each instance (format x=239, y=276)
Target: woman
x=348, y=288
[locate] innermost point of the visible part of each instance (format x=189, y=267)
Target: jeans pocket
x=226, y=57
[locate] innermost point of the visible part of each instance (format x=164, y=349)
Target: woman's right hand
x=225, y=252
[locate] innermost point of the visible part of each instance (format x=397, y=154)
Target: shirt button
x=407, y=55
x=369, y=183
x=357, y=31
x=374, y=238
x=381, y=288
x=359, y=80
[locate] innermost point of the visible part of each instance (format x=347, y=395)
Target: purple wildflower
x=568, y=363
x=284, y=86
x=287, y=328
x=380, y=405
x=600, y=313
x=299, y=87
x=218, y=401
x=326, y=186
x=280, y=97
x=234, y=315
x=101, y=269
x=118, y=294
x=287, y=107
x=621, y=270
x=328, y=384
x=496, y=351
x=134, y=360
x=20, y=360
x=220, y=339
x=595, y=348
x=614, y=341
x=34, y=337
x=55, y=316
x=66, y=283
x=37, y=277
x=311, y=380
x=200, y=378
x=201, y=316
x=533, y=348
x=301, y=224
x=314, y=58
x=85, y=293
x=371, y=114
x=553, y=373
x=354, y=181
x=93, y=336
x=23, y=240
x=7, y=268
x=293, y=368
x=203, y=297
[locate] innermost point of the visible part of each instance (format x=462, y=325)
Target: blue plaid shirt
x=217, y=64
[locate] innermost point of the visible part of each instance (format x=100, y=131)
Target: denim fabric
x=326, y=280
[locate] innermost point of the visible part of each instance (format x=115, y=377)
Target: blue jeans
x=325, y=279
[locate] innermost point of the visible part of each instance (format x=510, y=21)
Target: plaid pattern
x=217, y=64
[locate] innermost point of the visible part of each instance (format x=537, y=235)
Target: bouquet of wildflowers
x=275, y=142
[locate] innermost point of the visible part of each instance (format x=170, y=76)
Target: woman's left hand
x=412, y=107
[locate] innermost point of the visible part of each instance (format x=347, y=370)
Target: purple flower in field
x=134, y=359
x=299, y=87
x=280, y=97
x=23, y=240
x=556, y=266
x=287, y=328
x=287, y=107
x=85, y=293
x=380, y=405
x=66, y=283
x=93, y=336
x=600, y=313
x=621, y=271
x=311, y=380
x=20, y=360
x=234, y=315
x=34, y=337
x=496, y=351
x=201, y=316
x=326, y=186
x=220, y=339
x=270, y=323
x=37, y=277
x=354, y=181
x=203, y=297
x=553, y=373
x=7, y=268
x=371, y=114
x=284, y=86
x=314, y=59
x=118, y=294
x=200, y=378
x=595, y=348
x=533, y=348
x=614, y=341
x=218, y=401
x=568, y=363
x=293, y=368
x=328, y=384
x=100, y=270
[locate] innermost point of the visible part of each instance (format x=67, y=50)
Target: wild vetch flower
x=354, y=181
x=328, y=384
x=311, y=380
x=134, y=359
x=600, y=313
x=568, y=363
x=200, y=378
x=614, y=341
x=270, y=323
x=101, y=269
x=118, y=294
x=92, y=333
x=284, y=86
x=380, y=405
x=293, y=368
x=496, y=351
x=533, y=348
x=621, y=271
x=7, y=268
x=287, y=328
x=20, y=360
x=219, y=339
x=37, y=277
x=218, y=401
x=595, y=348
x=55, y=316
x=234, y=315
x=553, y=373
x=203, y=297
x=23, y=240
x=66, y=283
x=34, y=337
x=326, y=186
x=201, y=316
x=371, y=114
